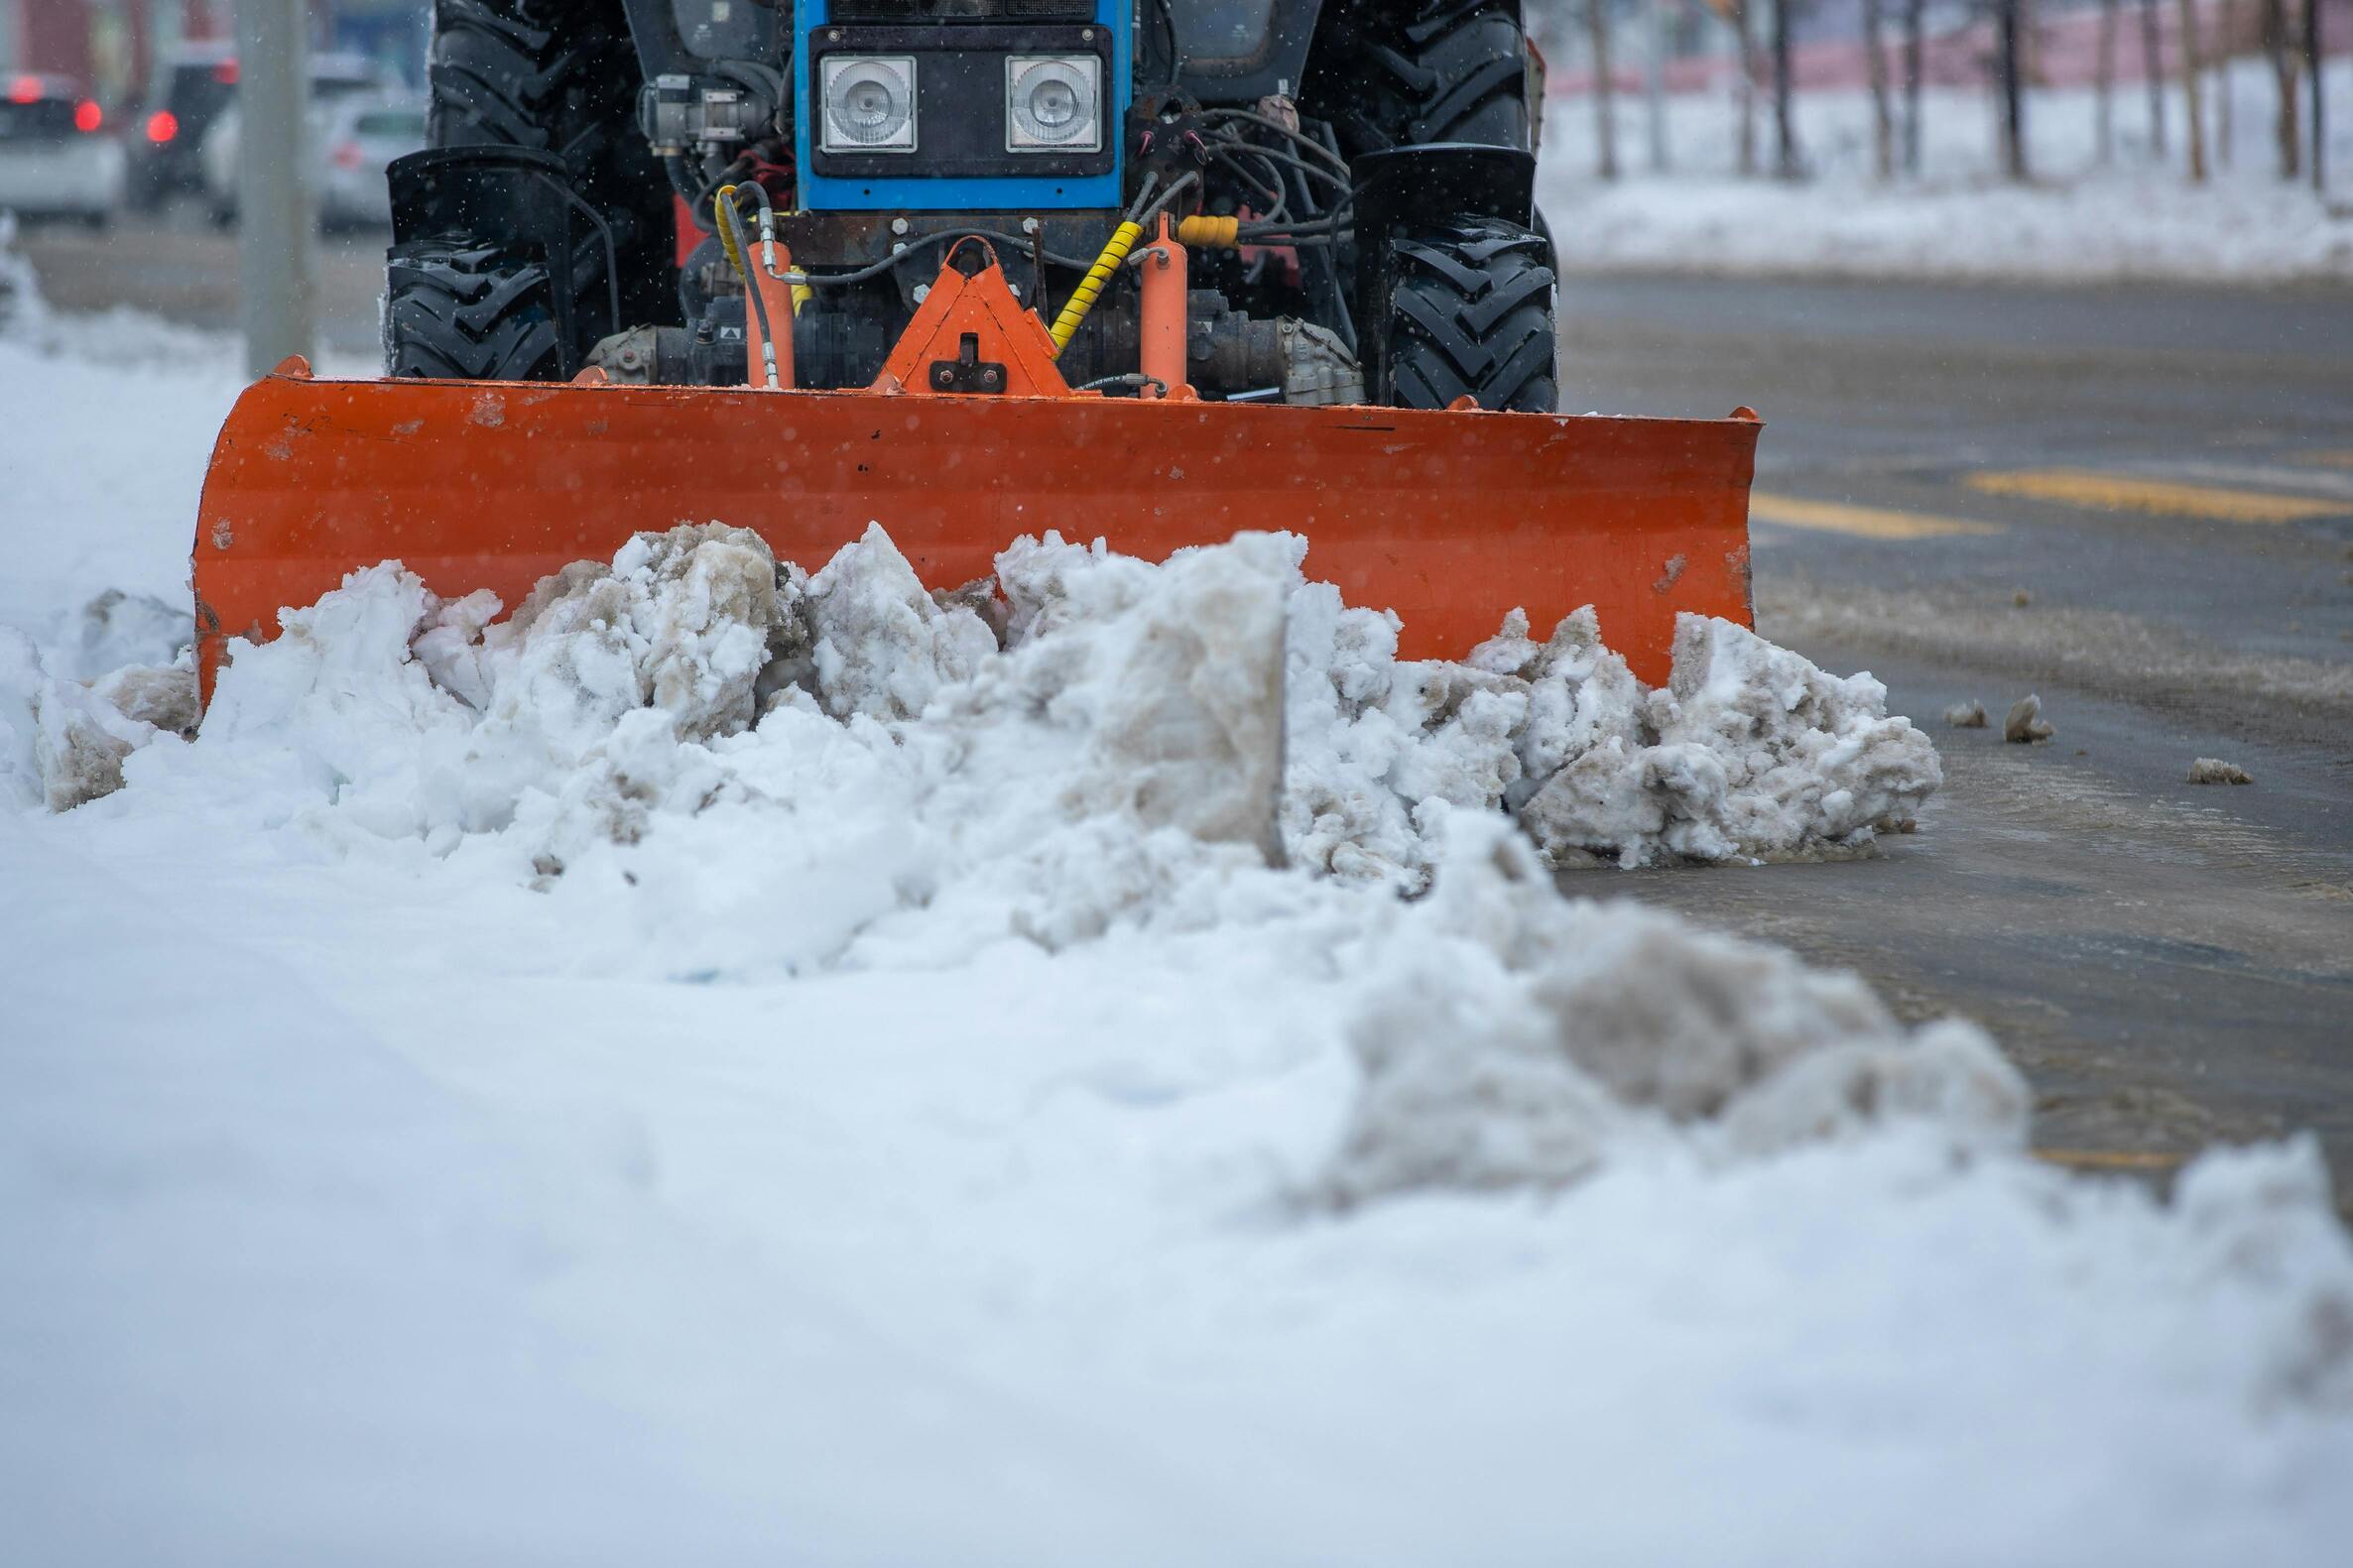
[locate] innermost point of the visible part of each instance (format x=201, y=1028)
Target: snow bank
x=2081, y=221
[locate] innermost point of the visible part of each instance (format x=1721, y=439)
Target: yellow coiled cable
x=1209, y=233
x=1082, y=299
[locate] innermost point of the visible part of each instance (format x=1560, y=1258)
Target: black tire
x=1413, y=73
x=459, y=309
x=562, y=77
x=1471, y=312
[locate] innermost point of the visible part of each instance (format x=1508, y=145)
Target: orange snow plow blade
x=1448, y=517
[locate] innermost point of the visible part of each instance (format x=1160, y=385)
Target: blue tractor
x=1351, y=179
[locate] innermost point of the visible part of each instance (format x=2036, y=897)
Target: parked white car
x=58, y=159
x=362, y=139
x=352, y=139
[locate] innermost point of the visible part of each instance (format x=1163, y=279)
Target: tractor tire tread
x=1424, y=72
x=459, y=309
x=1471, y=316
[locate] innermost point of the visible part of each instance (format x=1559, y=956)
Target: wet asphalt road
x=2165, y=476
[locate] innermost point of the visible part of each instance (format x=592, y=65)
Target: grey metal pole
x=277, y=238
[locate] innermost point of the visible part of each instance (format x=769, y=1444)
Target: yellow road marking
x=2108, y=1160
x=1837, y=516
x=2121, y=493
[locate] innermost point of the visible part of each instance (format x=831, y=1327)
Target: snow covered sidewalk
x=746, y=1064
x=2134, y=221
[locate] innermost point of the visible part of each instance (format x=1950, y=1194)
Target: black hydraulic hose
x=1131, y=379
x=604, y=230
x=836, y=280
x=1339, y=178
x=1279, y=203
x=731, y=235
x=1177, y=188
x=1299, y=137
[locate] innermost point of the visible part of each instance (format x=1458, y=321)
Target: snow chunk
x=1190, y=735
x=1750, y=751
x=63, y=742
x=2214, y=770
x=1520, y=1037
x=883, y=646
x=2025, y=724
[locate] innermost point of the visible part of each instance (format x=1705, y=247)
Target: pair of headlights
x=1050, y=103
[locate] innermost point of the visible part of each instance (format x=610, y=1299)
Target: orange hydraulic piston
x=1164, y=333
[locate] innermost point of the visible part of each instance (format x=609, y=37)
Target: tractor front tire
x=1470, y=314
x=561, y=76
x=1412, y=73
x=462, y=310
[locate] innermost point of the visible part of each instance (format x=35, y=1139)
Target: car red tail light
x=346, y=154
x=225, y=73
x=87, y=117
x=25, y=89
x=162, y=126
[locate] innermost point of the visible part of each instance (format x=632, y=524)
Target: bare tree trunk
x=2225, y=116
x=1605, y=108
x=1785, y=124
x=1743, y=24
x=2103, y=83
x=2282, y=53
x=2189, y=90
x=1914, y=31
x=1883, y=120
x=2153, y=72
x=2319, y=138
x=2013, y=114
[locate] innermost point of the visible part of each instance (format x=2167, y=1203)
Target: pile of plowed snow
x=1221, y=694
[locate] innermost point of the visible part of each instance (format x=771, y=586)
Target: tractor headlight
x=1050, y=103
x=869, y=104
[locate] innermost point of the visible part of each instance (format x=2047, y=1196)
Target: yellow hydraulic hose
x=722, y=206
x=1082, y=299
x=722, y=210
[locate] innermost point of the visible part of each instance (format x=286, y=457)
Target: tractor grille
x=962, y=11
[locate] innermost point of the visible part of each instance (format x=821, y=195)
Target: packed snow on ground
x=2078, y=221
x=741, y=1060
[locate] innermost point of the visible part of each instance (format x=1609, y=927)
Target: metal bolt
x=898, y=249
x=1087, y=35
x=923, y=291
x=988, y=378
x=1029, y=225
x=833, y=36
x=898, y=225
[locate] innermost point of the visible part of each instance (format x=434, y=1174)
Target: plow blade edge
x=1448, y=517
